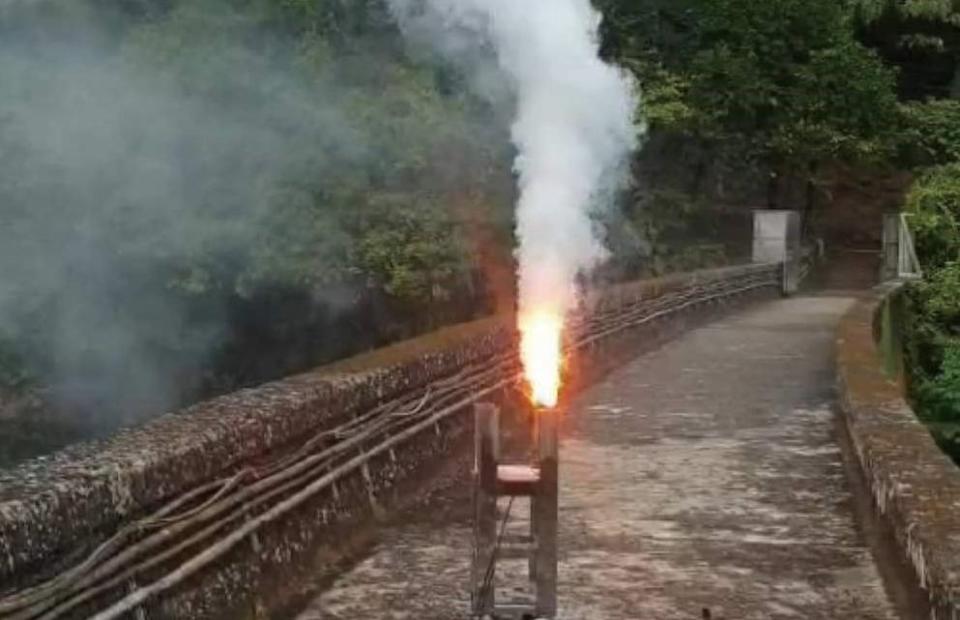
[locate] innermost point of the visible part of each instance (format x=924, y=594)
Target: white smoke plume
x=575, y=123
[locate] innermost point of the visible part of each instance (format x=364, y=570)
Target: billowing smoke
x=183, y=185
x=115, y=187
x=574, y=126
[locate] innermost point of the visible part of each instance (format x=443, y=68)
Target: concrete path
x=706, y=474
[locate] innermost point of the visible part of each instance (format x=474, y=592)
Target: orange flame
x=540, y=352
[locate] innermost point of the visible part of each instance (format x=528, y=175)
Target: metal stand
x=539, y=482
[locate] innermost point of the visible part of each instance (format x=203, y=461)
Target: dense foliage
x=933, y=338
x=930, y=132
x=922, y=37
x=750, y=104
x=197, y=195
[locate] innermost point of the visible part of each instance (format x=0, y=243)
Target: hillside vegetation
x=206, y=194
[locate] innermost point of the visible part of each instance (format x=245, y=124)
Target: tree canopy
x=774, y=75
x=197, y=195
x=921, y=36
x=170, y=168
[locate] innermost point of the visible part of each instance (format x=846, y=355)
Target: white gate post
x=776, y=239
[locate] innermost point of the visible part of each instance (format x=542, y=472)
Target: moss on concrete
x=915, y=486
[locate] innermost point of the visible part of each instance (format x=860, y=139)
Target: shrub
x=934, y=206
x=931, y=132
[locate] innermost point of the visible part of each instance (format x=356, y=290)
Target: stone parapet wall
x=914, y=485
x=54, y=503
x=54, y=511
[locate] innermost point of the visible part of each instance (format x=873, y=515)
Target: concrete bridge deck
x=706, y=474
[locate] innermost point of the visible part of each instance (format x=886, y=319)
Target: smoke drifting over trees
x=199, y=195
x=573, y=128
x=124, y=193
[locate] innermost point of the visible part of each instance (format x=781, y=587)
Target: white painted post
x=776, y=239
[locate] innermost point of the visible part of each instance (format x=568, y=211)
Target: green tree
x=740, y=94
x=202, y=192
x=934, y=206
x=930, y=133
x=412, y=251
x=780, y=73
x=933, y=338
x=920, y=34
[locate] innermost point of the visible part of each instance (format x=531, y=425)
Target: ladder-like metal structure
x=899, y=253
x=537, y=481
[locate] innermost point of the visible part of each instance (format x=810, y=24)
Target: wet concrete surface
x=704, y=475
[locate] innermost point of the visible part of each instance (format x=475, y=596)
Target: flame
x=540, y=352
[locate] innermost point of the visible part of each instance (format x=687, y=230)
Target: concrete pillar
x=776, y=239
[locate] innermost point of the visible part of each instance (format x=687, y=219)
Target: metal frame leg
x=547, y=506
x=487, y=455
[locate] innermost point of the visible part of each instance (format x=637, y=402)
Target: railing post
x=545, y=509
x=486, y=459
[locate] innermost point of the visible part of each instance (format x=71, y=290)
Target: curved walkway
x=706, y=474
